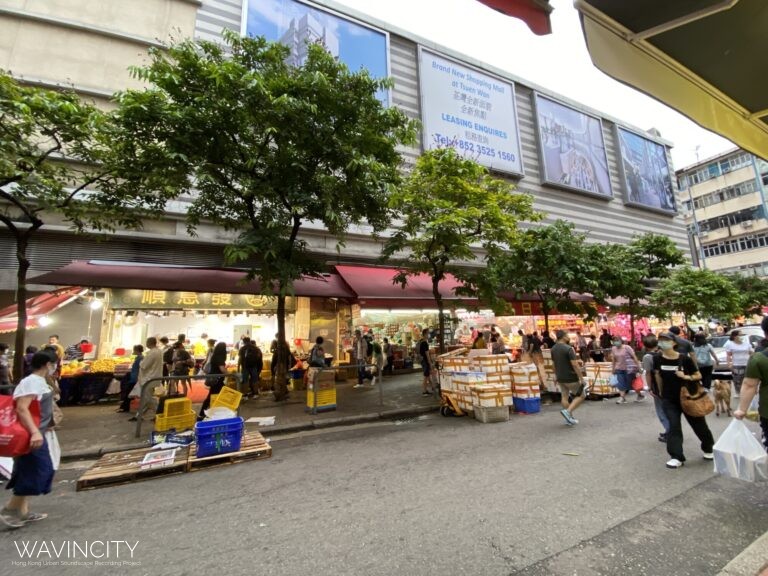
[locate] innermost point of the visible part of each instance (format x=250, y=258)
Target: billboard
x=296, y=24
x=572, y=148
x=645, y=172
x=470, y=111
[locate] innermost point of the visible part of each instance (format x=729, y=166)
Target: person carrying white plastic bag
x=738, y=454
x=756, y=376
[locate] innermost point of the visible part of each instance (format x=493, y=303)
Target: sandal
x=33, y=517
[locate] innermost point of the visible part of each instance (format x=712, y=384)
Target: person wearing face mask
x=737, y=351
x=671, y=372
x=625, y=368
x=568, y=373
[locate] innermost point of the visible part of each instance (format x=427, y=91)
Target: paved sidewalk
x=88, y=431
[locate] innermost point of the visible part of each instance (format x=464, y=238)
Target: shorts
x=425, y=368
x=575, y=388
x=32, y=473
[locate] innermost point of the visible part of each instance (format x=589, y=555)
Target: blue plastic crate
x=527, y=405
x=218, y=436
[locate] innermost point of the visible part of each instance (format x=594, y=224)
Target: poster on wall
x=470, y=111
x=572, y=148
x=296, y=24
x=645, y=172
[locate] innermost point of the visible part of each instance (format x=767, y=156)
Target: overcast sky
x=559, y=62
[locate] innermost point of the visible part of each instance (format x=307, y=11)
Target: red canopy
x=535, y=13
x=37, y=307
x=181, y=278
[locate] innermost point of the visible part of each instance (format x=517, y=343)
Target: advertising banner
x=645, y=172
x=572, y=148
x=296, y=24
x=470, y=111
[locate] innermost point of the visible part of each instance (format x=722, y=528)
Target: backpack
x=168, y=356
x=251, y=356
x=703, y=358
x=316, y=358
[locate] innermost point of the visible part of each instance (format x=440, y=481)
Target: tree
x=629, y=271
x=450, y=207
x=550, y=262
x=54, y=150
x=695, y=292
x=753, y=291
x=268, y=149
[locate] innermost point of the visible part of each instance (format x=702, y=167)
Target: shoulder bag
x=697, y=404
x=14, y=438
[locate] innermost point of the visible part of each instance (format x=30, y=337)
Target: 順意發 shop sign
x=470, y=111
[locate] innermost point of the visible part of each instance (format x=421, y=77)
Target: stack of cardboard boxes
x=526, y=392
x=599, y=378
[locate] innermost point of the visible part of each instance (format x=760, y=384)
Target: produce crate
x=227, y=398
x=178, y=423
x=527, y=405
x=488, y=414
x=326, y=400
x=177, y=407
x=297, y=383
x=218, y=436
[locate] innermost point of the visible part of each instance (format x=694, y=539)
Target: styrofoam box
x=487, y=415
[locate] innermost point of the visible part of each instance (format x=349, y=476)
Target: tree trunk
x=281, y=372
x=441, y=319
x=545, y=310
x=632, y=330
x=22, y=243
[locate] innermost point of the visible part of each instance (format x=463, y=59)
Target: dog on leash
x=722, y=397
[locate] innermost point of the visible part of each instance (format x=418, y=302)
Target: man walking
x=360, y=350
x=568, y=374
x=250, y=364
x=150, y=368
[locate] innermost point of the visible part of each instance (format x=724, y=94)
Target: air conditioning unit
x=747, y=224
x=704, y=233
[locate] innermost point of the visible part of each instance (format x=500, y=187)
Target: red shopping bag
x=14, y=438
x=638, y=384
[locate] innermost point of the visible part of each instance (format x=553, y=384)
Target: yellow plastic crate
x=178, y=423
x=177, y=407
x=326, y=399
x=227, y=398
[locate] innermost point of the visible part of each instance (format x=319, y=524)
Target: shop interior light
x=96, y=304
x=45, y=321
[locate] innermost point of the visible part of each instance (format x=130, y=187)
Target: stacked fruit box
x=550, y=381
x=599, y=378
x=463, y=382
x=526, y=393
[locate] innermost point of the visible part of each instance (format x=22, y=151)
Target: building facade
x=723, y=200
x=612, y=180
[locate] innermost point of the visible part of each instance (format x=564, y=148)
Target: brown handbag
x=698, y=404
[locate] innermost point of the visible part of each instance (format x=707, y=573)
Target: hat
x=666, y=335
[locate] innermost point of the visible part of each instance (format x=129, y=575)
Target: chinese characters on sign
x=166, y=300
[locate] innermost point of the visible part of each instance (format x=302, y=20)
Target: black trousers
x=674, y=411
x=706, y=376
x=764, y=426
x=216, y=386
x=126, y=385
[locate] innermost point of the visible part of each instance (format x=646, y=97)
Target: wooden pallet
x=252, y=447
x=124, y=467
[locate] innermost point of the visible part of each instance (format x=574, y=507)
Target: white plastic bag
x=54, y=449
x=738, y=454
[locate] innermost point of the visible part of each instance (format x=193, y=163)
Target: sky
x=559, y=62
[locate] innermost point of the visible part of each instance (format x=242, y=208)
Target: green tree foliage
x=54, y=159
x=452, y=210
x=268, y=148
x=753, y=292
x=551, y=262
x=695, y=292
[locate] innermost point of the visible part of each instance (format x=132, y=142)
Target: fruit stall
x=88, y=381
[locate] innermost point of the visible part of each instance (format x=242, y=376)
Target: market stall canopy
x=375, y=288
x=103, y=274
x=535, y=13
x=37, y=307
x=704, y=58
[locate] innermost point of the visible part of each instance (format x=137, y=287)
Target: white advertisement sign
x=469, y=111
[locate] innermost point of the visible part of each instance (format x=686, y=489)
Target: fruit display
x=116, y=366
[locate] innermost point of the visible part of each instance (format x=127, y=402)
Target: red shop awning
x=138, y=276
x=375, y=288
x=535, y=13
x=37, y=307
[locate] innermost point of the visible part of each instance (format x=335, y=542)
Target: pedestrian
x=756, y=377
x=360, y=353
x=75, y=351
x=33, y=472
x=53, y=340
x=605, y=340
x=317, y=354
x=27, y=363
x=130, y=380
x=523, y=345
x=595, y=352
x=5, y=366
x=684, y=346
x=737, y=350
x=180, y=366
x=672, y=371
x=280, y=387
x=211, y=344
x=479, y=342
x=378, y=361
x=389, y=354
x=218, y=366
x=705, y=358
x=150, y=368
x=167, y=351
x=625, y=368
x=568, y=374
x=651, y=351
x=426, y=363
x=497, y=344
x=547, y=340
x=581, y=343
x=250, y=362
x=537, y=356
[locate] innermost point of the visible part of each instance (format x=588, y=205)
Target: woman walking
x=218, y=366
x=738, y=351
x=672, y=371
x=625, y=368
x=705, y=358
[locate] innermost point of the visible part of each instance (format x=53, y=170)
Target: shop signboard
x=167, y=300
x=469, y=110
x=645, y=172
x=296, y=24
x=572, y=148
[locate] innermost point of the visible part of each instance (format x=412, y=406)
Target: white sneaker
x=373, y=381
x=709, y=456
x=674, y=463
x=358, y=386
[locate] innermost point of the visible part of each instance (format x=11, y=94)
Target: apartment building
x=723, y=200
